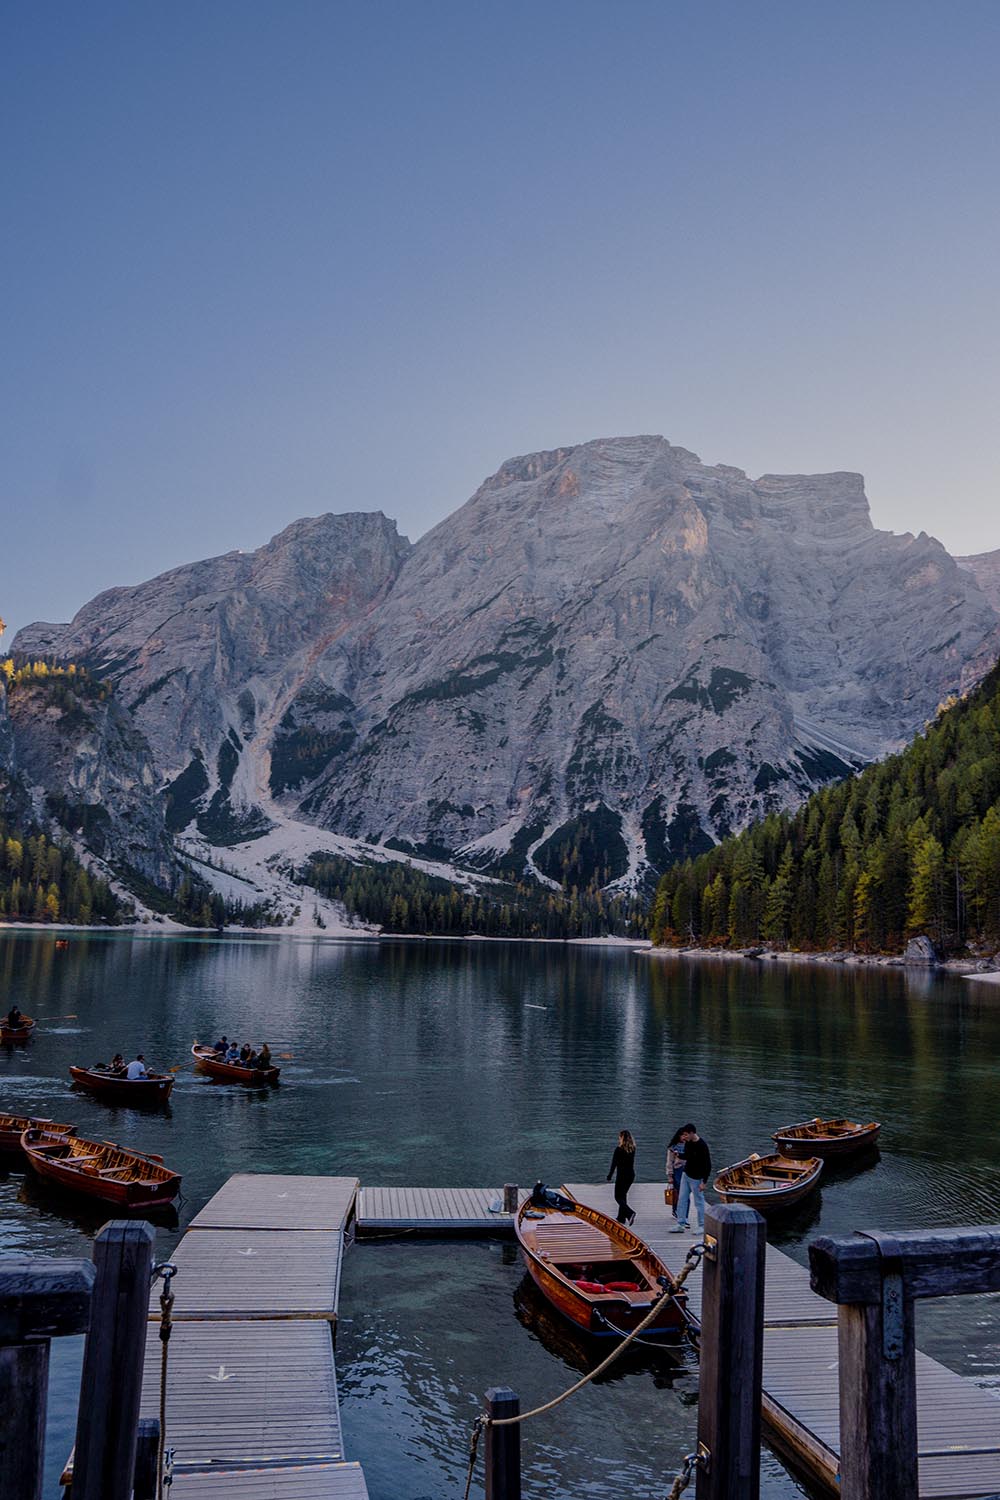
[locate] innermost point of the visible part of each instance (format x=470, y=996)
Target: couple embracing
x=689, y=1166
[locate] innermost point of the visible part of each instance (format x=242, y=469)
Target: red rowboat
x=100, y=1169
x=12, y=1127
x=115, y=1088
x=209, y=1060
x=594, y=1271
x=19, y=1033
x=826, y=1137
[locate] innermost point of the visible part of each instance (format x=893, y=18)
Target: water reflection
x=477, y=1064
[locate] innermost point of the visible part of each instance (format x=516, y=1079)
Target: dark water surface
x=474, y=1064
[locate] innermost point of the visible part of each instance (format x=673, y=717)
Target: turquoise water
x=481, y=1063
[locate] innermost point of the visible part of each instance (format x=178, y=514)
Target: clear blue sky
x=262, y=260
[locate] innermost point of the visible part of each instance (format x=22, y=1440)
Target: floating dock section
x=436, y=1211
x=252, y=1409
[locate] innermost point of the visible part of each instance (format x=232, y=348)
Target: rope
x=165, y=1455
x=691, y=1260
x=685, y=1474
x=474, y=1437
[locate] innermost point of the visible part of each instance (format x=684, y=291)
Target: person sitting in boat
x=222, y=1045
x=233, y=1054
x=246, y=1051
x=14, y=1016
x=264, y=1056
x=252, y=1059
x=117, y=1065
x=136, y=1068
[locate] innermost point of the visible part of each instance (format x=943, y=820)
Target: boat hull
x=827, y=1146
x=140, y=1092
x=776, y=1196
x=230, y=1073
x=22, y=1033
x=152, y=1185
x=613, y=1251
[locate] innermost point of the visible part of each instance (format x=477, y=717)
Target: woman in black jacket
x=623, y=1171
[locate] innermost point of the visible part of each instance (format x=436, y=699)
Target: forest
x=43, y=881
x=909, y=846
x=402, y=899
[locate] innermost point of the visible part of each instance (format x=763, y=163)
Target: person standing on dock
x=623, y=1171
x=675, y=1165
x=694, y=1180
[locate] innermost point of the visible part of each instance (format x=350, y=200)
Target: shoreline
x=317, y=935
x=964, y=968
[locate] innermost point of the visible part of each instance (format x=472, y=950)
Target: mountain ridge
x=608, y=658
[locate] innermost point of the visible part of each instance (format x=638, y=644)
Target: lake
x=478, y=1063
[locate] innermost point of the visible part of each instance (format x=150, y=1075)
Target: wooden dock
x=434, y=1211
x=958, y=1422
x=252, y=1407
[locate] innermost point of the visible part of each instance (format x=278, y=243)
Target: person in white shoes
x=697, y=1170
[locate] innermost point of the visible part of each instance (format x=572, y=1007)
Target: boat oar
x=286, y=1056
x=71, y=1017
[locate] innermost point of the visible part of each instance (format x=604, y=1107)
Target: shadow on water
x=665, y=1363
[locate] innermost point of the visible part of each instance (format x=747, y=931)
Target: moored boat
x=209, y=1060
x=593, y=1270
x=19, y=1033
x=768, y=1183
x=115, y=1088
x=12, y=1127
x=826, y=1137
x=100, y=1169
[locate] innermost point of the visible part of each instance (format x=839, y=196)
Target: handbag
x=669, y=1196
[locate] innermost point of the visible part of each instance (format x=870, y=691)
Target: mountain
x=608, y=659
x=910, y=846
x=985, y=569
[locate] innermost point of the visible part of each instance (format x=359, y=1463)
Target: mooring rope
x=164, y=1457
x=685, y=1474
x=691, y=1261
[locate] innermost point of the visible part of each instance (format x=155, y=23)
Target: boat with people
x=12, y=1127
x=769, y=1183
x=114, y=1087
x=826, y=1138
x=100, y=1169
x=213, y=1062
x=593, y=1270
x=16, y=1027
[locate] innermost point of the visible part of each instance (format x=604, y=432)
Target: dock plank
x=425, y=1210
x=255, y=1273
x=263, y=1200
x=246, y=1393
x=337, y=1481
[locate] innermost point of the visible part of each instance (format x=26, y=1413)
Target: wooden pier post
x=38, y=1301
x=108, y=1419
x=147, y=1455
x=510, y=1197
x=731, y=1353
x=503, y=1446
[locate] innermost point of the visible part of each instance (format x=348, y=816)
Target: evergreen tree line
x=909, y=846
x=42, y=881
x=401, y=899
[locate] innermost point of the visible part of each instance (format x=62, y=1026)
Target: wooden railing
x=108, y=1301
x=874, y=1279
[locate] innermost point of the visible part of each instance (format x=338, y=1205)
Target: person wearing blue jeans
x=697, y=1170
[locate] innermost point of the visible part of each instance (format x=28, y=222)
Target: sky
x=268, y=258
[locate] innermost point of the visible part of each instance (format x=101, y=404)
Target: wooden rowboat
x=19, y=1033
x=768, y=1183
x=209, y=1060
x=12, y=1127
x=117, y=1089
x=100, y=1169
x=825, y=1137
x=594, y=1271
